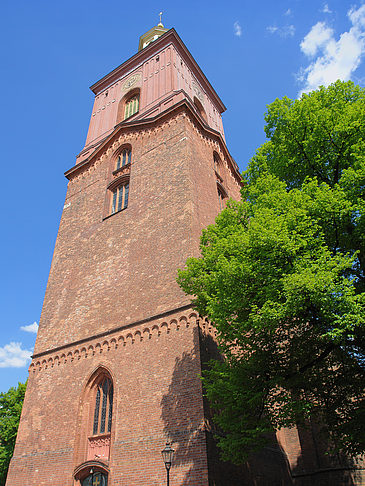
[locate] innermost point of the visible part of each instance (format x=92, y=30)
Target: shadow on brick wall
x=182, y=414
x=193, y=439
x=269, y=467
x=318, y=465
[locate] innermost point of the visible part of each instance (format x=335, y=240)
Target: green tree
x=11, y=404
x=281, y=274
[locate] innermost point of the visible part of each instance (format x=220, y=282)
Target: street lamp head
x=167, y=455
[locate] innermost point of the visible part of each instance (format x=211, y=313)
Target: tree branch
x=313, y=362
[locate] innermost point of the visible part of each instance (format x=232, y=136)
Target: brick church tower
x=115, y=371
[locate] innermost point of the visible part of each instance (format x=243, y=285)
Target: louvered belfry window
x=103, y=407
x=131, y=106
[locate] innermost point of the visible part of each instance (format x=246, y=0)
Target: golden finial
x=160, y=23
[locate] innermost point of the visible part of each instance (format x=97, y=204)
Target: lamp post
x=167, y=454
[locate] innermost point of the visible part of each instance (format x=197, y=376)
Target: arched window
x=221, y=199
x=119, y=199
x=217, y=162
x=200, y=109
x=124, y=158
x=117, y=191
x=103, y=412
x=94, y=431
x=222, y=195
x=131, y=106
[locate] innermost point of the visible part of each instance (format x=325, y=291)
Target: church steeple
x=152, y=35
x=155, y=170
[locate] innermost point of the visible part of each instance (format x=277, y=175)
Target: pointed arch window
x=217, y=166
x=103, y=411
x=222, y=195
x=217, y=161
x=200, y=109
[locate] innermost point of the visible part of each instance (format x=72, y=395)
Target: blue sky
x=51, y=52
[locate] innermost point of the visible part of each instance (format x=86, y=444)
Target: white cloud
x=13, y=356
x=285, y=31
x=357, y=17
x=326, y=9
x=336, y=59
x=318, y=37
x=288, y=12
x=272, y=29
x=30, y=328
x=288, y=31
x=237, y=29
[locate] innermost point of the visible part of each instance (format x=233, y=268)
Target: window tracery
x=103, y=414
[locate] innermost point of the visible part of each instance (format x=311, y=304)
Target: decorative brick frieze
x=118, y=341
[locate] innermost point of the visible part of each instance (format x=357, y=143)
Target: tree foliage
x=11, y=404
x=281, y=274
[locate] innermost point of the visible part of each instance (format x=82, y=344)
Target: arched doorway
x=91, y=473
x=96, y=478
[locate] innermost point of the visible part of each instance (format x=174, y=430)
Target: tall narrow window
x=120, y=198
x=131, y=106
x=96, y=412
x=103, y=414
x=217, y=162
x=124, y=158
x=200, y=109
x=221, y=199
x=110, y=410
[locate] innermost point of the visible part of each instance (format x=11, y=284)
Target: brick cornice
x=147, y=329
x=185, y=105
x=112, y=331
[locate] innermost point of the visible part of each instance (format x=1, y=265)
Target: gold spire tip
x=160, y=24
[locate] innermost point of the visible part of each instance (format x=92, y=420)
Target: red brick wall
x=110, y=274
x=107, y=273
x=109, y=280
x=157, y=395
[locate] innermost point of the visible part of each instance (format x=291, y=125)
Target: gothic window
x=131, y=106
x=117, y=193
x=103, y=408
x=217, y=161
x=95, y=479
x=119, y=198
x=221, y=198
x=217, y=166
x=124, y=158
